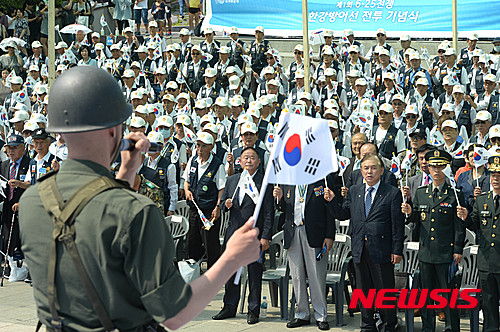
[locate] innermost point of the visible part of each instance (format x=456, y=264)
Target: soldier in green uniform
x=102, y=258
x=442, y=234
x=485, y=219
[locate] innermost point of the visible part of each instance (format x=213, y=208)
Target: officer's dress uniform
x=205, y=180
x=118, y=229
x=485, y=221
x=442, y=234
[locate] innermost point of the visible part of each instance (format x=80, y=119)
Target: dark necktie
x=497, y=202
x=436, y=193
x=368, y=200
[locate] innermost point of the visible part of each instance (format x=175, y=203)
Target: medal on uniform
x=302, y=192
x=422, y=215
x=205, y=188
x=484, y=222
x=288, y=194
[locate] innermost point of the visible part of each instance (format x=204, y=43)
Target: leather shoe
x=296, y=322
x=225, y=313
x=252, y=318
x=324, y=326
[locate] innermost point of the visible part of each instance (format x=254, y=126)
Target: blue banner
x=426, y=18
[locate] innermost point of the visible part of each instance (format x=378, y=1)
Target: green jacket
x=442, y=233
x=126, y=249
x=485, y=220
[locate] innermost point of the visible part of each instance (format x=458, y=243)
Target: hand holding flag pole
x=449, y=175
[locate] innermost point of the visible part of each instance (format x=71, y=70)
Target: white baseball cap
x=268, y=70
x=387, y=108
x=382, y=31
x=129, y=73
x=248, y=127
x=169, y=97
x=143, y=109
x=361, y=81
x=208, y=30
x=183, y=119
x=447, y=107
x=156, y=137
x=494, y=131
x=405, y=38
x=136, y=95
x=234, y=82
x=422, y=81
x=449, y=123
x=236, y=101
x=398, y=96
x=16, y=80
x=207, y=118
x=137, y=122
x=483, y=116
x=222, y=101
x=184, y=32
x=450, y=51
x=299, y=73
x=205, y=137
x=260, y=29
x=36, y=44
x=225, y=50
x=490, y=77
x=243, y=118
x=411, y=109
x=201, y=103
x=458, y=89
x=164, y=121
x=333, y=124
x=20, y=116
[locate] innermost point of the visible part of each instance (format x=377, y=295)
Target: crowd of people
x=214, y=108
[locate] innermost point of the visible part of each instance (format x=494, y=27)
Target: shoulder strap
x=63, y=215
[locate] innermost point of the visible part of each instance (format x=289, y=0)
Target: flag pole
x=305, y=41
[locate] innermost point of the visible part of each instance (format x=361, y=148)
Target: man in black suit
x=14, y=169
x=241, y=207
x=357, y=178
x=377, y=233
x=309, y=228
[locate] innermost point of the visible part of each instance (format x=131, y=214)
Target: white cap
x=253, y=112
x=234, y=82
x=129, y=73
x=348, y=32
x=299, y=73
x=330, y=72
x=38, y=117
x=387, y=108
x=201, y=103
x=164, y=121
x=183, y=119
x=61, y=68
x=331, y=111
x=99, y=46
x=255, y=104
x=207, y=118
x=273, y=82
x=333, y=124
x=474, y=36
x=225, y=50
x=160, y=71
x=268, y=70
x=248, y=127
x=233, y=30
x=447, y=107
x=136, y=95
x=143, y=109
x=153, y=24
x=383, y=51
x=172, y=85
x=260, y=29
x=494, y=131
x=182, y=95
x=304, y=95
x=411, y=109
x=20, y=116
x=34, y=68
x=405, y=38
x=353, y=48
x=422, y=81
x=177, y=46
x=16, y=80
x=222, y=101
x=483, y=59
x=265, y=100
x=127, y=29
x=208, y=30
x=156, y=137
x=382, y=31
x=60, y=45
x=458, y=89
x=328, y=33
x=450, y=51
x=196, y=48
x=36, y=44
x=299, y=47
x=414, y=56
x=483, y=116
x=388, y=75
x=361, y=81
x=151, y=45
x=490, y=77
x=141, y=49
x=137, y=122
x=211, y=127
x=331, y=104
x=243, y=118
x=236, y=101
x=41, y=89
x=205, y=138
x=449, y=123
x=184, y=32
x=354, y=73
x=30, y=125
x=169, y=97
x=477, y=52
x=210, y=72
x=327, y=50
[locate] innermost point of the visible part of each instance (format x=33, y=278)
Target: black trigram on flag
x=312, y=166
x=309, y=136
x=276, y=165
x=283, y=130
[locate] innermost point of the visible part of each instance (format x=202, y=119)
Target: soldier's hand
x=55, y=164
x=243, y=246
x=462, y=212
x=229, y=203
x=277, y=193
x=477, y=191
x=406, y=192
x=131, y=160
x=189, y=195
x=15, y=207
x=343, y=191
x=170, y=213
x=406, y=208
x=329, y=195
x=457, y=258
x=264, y=244
x=396, y=258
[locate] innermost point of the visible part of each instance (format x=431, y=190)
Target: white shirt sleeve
x=400, y=142
x=220, y=177
x=172, y=186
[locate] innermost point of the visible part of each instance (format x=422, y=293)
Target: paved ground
x=18, y=314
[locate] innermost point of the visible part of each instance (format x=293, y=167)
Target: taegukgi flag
x=304, y=151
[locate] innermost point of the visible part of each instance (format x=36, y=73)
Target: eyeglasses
x=397, y=104
x=411, y=116
x=446, y=112
x=440, y=51
x=480, y=122
x=195, y=53
x=296, y=52
x=170, y=89
x=380, y=35
x=328, y=37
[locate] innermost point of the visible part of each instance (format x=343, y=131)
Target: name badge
x=22, y=177
x=42, y=171
x=486, y=213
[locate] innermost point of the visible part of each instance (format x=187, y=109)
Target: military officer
x=442, y=234
x=122, y=242
x=485, y=220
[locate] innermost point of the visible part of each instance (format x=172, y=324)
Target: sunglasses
x=440, y=51
x=480, y=122
x=446, y=112
x=411, y=116
x=380, y=35
x=397, y=104
x=195, y=53
x=328, y=37
x=269, y=58
x=297, y=53
x=170, y=89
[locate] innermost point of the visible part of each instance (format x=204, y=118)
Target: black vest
x=214, y=52
x=196, y=81
x=493, y=109
x=463, y=119
x=205, y=190
x=159, y=177
x=324, y=95
x=426, y=115
x=221, y=152
x=388, y=145
x=258, y=55
x=262, y=129
x=236, y=55
x=214, y=92
x=244, y=92
x=47, y=166
x=222, y=79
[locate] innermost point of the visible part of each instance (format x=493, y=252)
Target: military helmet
x=85, y=98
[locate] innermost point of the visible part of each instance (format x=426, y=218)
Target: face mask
x=165, y=133
x=496, y=48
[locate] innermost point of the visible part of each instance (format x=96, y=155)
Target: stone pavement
x=17, y=314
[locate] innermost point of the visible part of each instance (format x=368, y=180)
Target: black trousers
x=232, y=294
x=253, y=85
x=490, y=290
x=15, y=242
x=375, y=276
x=435, y=276
x=200, y=241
